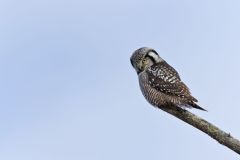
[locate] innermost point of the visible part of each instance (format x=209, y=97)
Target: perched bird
x=159, y=82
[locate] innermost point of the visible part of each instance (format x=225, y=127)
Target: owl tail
x=194, y=105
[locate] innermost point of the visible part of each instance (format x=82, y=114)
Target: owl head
x=143, y=58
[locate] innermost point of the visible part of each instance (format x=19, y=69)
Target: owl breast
x=152, y=95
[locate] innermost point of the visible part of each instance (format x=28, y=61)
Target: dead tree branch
x=222, y=137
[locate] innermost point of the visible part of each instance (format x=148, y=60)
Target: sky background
x=68, y=91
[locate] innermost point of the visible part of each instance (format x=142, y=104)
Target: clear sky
x=68, y=91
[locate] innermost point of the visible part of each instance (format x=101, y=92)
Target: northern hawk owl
x=159, y=82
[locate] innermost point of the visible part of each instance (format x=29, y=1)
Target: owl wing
x=165, y=79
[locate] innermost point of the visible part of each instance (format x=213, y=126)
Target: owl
x=160, y=83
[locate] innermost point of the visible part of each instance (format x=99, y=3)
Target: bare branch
x=222, y=137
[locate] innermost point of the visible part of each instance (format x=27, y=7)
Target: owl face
x=143, y=58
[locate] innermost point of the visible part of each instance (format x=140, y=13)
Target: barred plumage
x=159, y=82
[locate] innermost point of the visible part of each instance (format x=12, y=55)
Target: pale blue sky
x=68, y=91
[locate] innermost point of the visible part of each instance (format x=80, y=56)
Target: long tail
x=194, y=105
